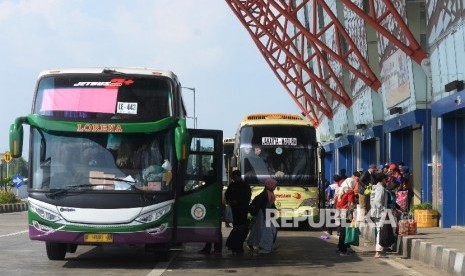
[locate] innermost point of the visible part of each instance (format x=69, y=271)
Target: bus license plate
x=98, y=238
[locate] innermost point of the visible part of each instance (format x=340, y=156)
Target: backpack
x=391, y=200
x=258, y=202
x=345, y=199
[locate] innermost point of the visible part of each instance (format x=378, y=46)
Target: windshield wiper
x=78, y=187
x=72, y=187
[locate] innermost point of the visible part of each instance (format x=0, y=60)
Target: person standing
x=345, y=204
x=367, y=179
x=330, y=192
x=378, y=207
x=261, y=234
x=238, y=196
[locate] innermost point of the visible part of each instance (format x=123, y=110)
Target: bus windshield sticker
x=126, y=108
x=279, y=141
x=114, y=83
x=79, y=99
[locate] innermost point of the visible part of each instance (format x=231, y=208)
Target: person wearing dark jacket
x=238, y=197
x=367, y=179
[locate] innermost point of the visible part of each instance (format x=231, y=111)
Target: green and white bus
x=111, y=161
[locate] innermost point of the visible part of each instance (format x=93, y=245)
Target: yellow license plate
x=98, y=238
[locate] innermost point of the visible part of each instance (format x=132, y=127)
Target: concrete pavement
x=441, y=248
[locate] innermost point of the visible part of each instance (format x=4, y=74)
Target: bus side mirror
x=16, y=138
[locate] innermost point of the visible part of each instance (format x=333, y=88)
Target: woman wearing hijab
x=262, y=235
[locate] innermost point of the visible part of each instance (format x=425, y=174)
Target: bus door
x=199, y=207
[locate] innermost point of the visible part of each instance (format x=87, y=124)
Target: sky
x=201, y=41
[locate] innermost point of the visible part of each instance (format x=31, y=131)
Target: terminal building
x=382, y=81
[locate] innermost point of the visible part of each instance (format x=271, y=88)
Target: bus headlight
x=312, y=202
x=44, y=213
x=154, y=215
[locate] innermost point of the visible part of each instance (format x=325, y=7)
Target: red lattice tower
x=304, y=61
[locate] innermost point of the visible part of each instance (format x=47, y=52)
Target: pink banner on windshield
x=99, y=100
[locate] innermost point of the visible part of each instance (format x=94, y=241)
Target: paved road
x=298, y=253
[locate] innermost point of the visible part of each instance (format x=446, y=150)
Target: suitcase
x=412, y=227
x=403, y=227
x=237, y=237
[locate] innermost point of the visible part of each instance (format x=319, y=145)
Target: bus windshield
x=284, y=153
x=104, y=97
x=103, y=161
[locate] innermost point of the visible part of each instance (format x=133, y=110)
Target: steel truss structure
x=305, y=54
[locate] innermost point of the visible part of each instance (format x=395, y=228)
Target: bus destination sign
x=279, y=141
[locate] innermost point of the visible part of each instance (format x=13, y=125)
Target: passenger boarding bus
x=283, y=147
x=111, y=161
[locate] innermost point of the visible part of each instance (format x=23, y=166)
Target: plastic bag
x=368, y=190
x=386, y=235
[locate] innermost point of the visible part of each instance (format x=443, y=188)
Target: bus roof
x=274, y=119
x=97, y=70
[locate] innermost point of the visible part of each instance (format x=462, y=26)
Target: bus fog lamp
x=41, y=227
x=158, y=229
x=154, y=215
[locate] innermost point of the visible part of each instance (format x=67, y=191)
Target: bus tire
x=71, y=248
x=161, y=251
x=162, y=255
x=55, y=251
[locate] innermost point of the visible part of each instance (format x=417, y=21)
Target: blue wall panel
x=449, y=173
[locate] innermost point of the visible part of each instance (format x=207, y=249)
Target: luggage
x=407, y=226
x=412, y=226
x=237, y=237
x=401, y=200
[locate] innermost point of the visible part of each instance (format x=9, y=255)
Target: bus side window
x=209, y=175
x=194, y=169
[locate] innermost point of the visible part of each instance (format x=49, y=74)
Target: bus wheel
x=56, y=251
x=71, y=248
x=162, y=255
x=161, y=251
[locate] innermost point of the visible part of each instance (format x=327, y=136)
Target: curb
x=445, y=259
x=13, y=207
